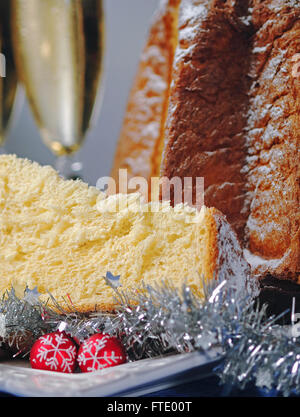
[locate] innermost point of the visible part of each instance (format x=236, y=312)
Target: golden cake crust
x=208, y=98
x=273, y=142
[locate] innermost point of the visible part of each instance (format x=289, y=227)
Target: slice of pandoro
x=64, y=236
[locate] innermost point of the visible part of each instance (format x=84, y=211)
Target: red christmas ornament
x=54, y=352
x=100, y=351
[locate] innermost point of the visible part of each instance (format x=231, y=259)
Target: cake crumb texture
x=64, y=236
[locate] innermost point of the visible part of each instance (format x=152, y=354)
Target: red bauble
x=54, y=352
x=100, y=351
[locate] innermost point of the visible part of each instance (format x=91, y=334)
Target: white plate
x=130, y=379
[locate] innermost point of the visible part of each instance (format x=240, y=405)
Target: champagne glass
x=10, y=94
x=58, y=48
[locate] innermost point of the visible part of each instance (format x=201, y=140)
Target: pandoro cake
x=64, y=236
x=231, y=115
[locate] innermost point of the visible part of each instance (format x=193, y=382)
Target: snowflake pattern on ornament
x=55, y=350
x=95, y=354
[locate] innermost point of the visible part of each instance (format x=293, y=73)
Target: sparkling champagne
x=59, y=53
x=8, y=77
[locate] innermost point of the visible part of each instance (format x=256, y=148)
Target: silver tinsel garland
x=21, y=321
x=154, y=321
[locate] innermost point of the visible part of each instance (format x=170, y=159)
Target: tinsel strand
x=153, y=321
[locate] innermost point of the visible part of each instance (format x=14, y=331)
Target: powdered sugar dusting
x=190, y=19
x=231, y=261
x=276, y=5
x=261, y=265
x=153, y=53
x=190, y=13
x=269, y=137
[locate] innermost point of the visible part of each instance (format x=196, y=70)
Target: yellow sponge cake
x=64, y=236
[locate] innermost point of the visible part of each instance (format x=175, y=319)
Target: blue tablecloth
x=210, y=387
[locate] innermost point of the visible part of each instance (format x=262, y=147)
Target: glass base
x=69, y=167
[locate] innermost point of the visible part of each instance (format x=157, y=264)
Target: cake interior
x=63, y=237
